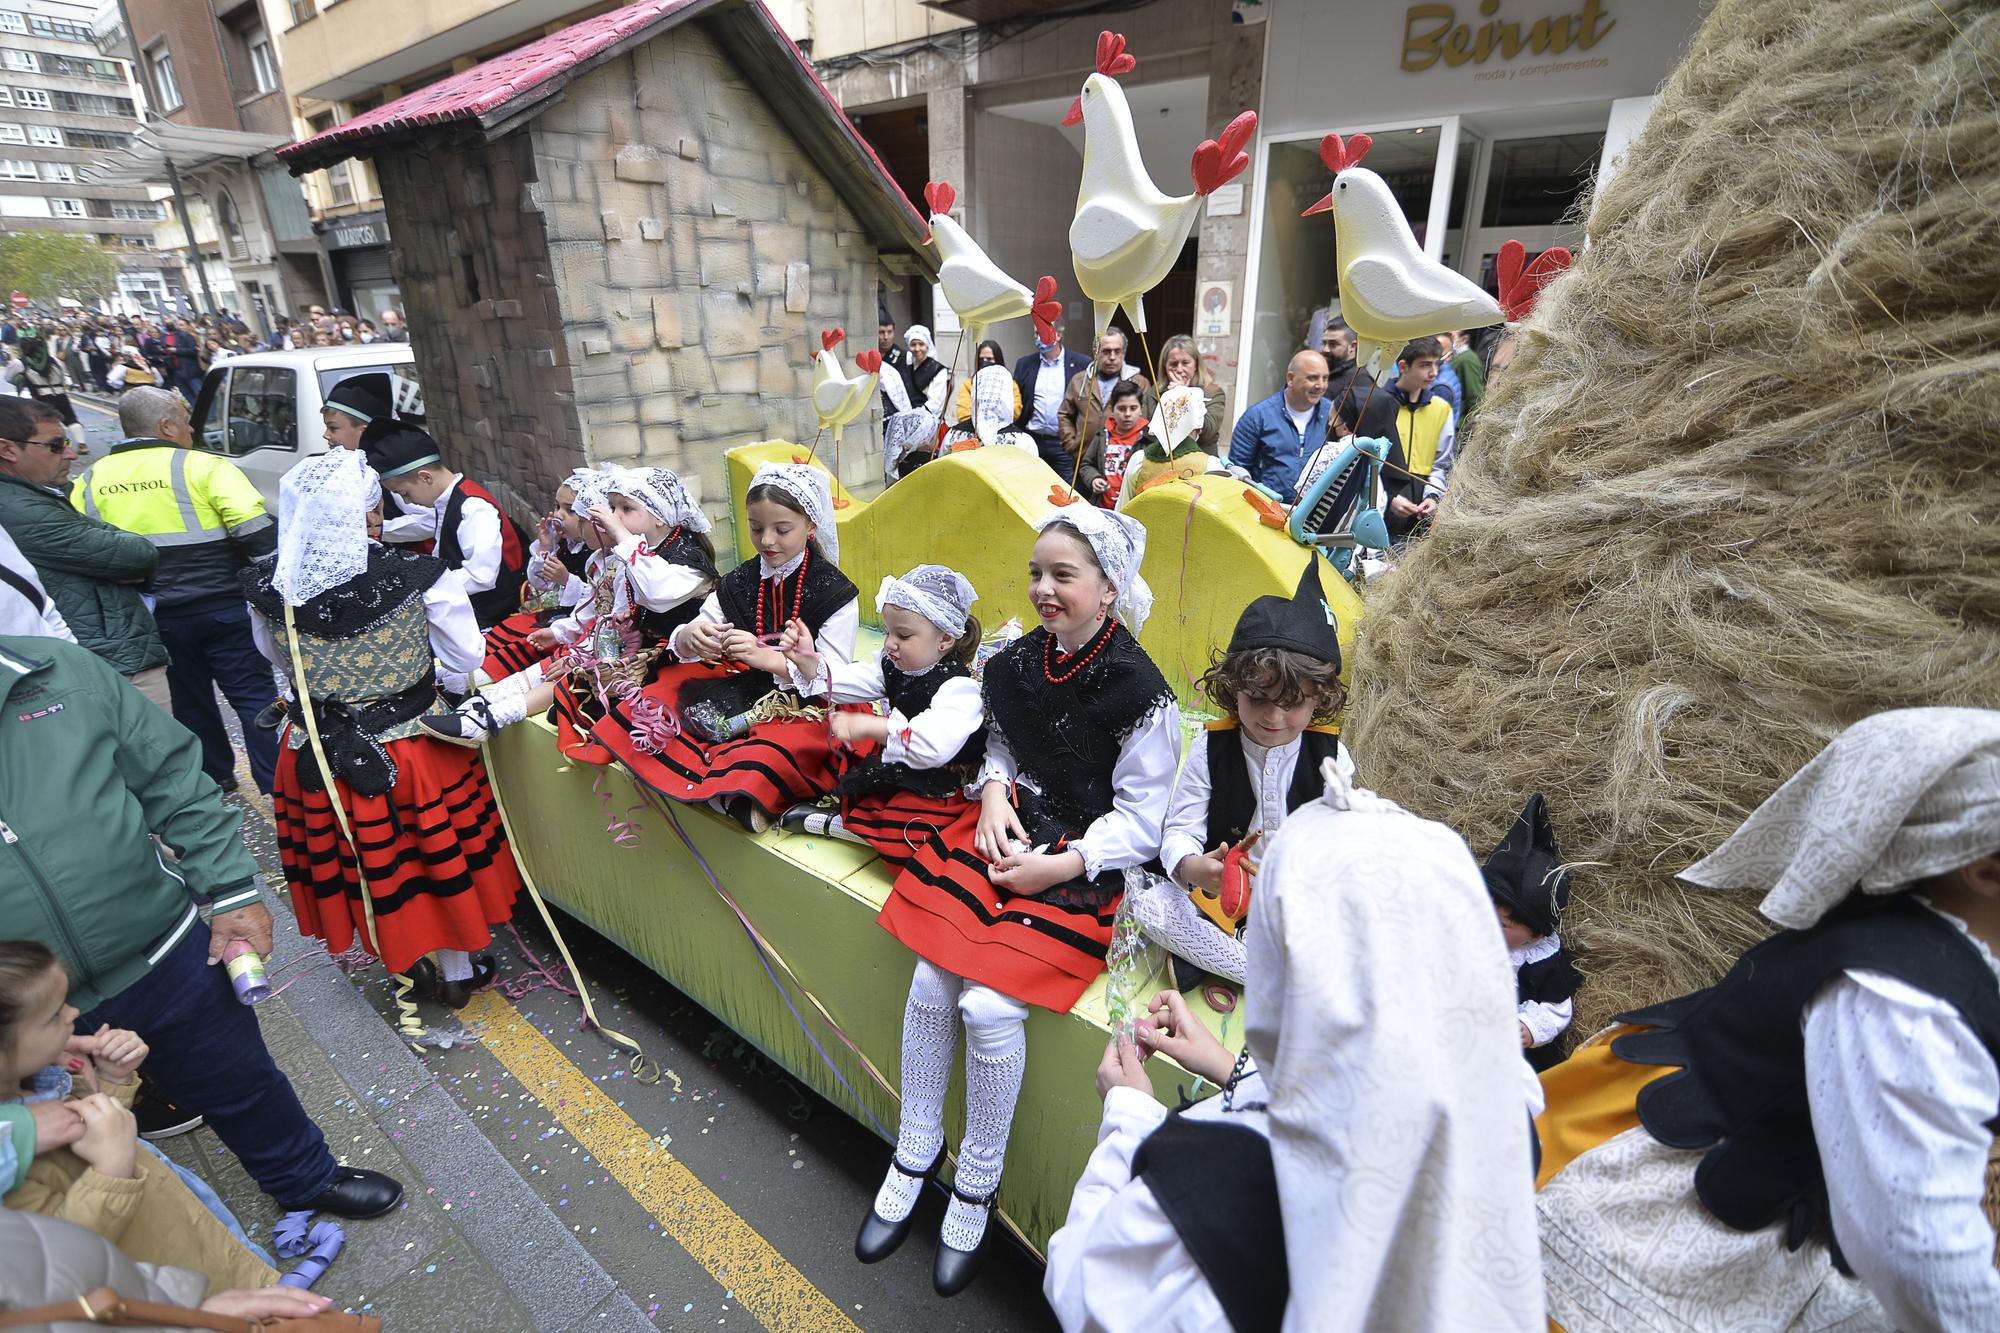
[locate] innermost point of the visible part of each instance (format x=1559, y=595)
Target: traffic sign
x=20, y=300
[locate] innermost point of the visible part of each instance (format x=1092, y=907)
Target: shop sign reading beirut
x=1432, y=32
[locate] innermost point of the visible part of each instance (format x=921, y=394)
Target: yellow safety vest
x=169, y=495
x=1420, y=429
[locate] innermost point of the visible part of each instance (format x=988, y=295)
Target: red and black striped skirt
x=898, y=823
x=507, y=647
x=439, y=870
x=945, y=908
x=780, y=764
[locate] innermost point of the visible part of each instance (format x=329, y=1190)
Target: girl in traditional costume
x=1738, y=1157
x=651, y=567
x=1013, y=904
x=744, y=741
x=1367, y=1163
x=367, y=624
x=1530, y=888
x=933, y=739
x=558, y=578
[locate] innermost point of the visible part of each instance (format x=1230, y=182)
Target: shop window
x=1535, y=182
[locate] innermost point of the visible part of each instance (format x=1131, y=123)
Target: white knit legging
x=996, y=1054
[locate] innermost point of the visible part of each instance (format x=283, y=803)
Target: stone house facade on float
x=620, y=244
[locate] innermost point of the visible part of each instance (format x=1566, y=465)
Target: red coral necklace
x=1049, y=655
x=778, y=597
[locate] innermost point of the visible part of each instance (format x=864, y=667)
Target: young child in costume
x=1172, y=443
x=1102, y=473
x=933, y=739
x=1013, y=904
x=745, y=743
x=1366, y=1166
x=87, y=1164
x=1530, y=888
x=990, y=403
x=650, y=566
x=1824, y=1112
x=558, y=579
x=374, y=627
x=464, y=524
x=1279, y=682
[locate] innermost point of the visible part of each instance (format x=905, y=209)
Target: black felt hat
x=363, y=397
x=1525, y=874
x=402, y=449
x=1301, y=623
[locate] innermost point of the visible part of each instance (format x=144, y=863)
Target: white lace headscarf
x=813, y=489
x=992, y=403
x=1895, y=798
x=372, y=488
x=592, y=489
x=662, y=495
x=940, y=595
x=1119, y=543
x=1381, y=1013
x=904, y=432
x=322, y=525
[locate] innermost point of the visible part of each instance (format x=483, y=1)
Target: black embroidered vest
x=825, y=591
x=1217, y=1185
x=503, y=599
x=1232, y=801
x=910, y=696
x=1065, y=735
x=575, y=559
x=1740, y=1091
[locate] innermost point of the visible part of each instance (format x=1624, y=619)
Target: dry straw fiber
x=1740, y=487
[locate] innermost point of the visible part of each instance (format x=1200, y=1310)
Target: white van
x=261, y=409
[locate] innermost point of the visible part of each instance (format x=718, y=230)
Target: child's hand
x=1027, y=874
x=554, y=571
x=1123, y=1066
x=852, y=727
x=999, y=831
x=1203, y=870
x=798, y=645
x=703, y=638
x=543, y=640
x=110, y=1139
x=607, y=520
x=1099, y=485
x=760, y=658
x=57, y=1125
x=266, y=1303
x=1170, y=1030
x=1527, y=1037
x=116, y=1052
x=738, y=644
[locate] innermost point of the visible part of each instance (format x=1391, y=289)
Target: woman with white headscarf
x=926, y=378
x=1012, y=905
x=1367, y=1165
x=365, y=629
x=1726, y=1160
x=994, y=405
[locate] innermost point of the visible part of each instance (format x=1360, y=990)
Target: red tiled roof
x=485, y=88
x=494, y=91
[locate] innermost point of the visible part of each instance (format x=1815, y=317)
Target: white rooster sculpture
x=1127, y=234
x=1390, y=290
x=838, y=399
x=979, y=291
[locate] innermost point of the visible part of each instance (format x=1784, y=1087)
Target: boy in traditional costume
x=1530, y=888
x=468, y=529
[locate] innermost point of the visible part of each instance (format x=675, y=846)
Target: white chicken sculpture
x=837, y=398
x=1390, y=290
x=1127, y=234
x=979, y=291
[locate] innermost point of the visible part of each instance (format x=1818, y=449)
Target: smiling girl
x=741, y=744
x=1013, y=904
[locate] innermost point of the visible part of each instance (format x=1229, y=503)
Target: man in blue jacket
x=90, y=772
x=1042, y=379
x=1275, y=437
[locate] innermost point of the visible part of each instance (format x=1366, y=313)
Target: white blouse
x=1271, y=769
x=570, y=591
x=1141, y=782
x=478, y=535
x=1545, y=1020
x=932, y=738
x=658, y=584
x=834, y=642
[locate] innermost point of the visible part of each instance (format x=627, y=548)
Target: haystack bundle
x=1740, y=486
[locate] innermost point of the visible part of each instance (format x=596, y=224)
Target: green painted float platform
x=813, y=899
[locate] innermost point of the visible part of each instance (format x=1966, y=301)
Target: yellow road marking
x=776, y=1294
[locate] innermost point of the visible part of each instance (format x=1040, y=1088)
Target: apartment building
x=64, y=102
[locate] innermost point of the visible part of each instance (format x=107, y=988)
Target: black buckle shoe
x=953, y=1270
x=357, y=1194
x=879, y=1237
x=456, y=994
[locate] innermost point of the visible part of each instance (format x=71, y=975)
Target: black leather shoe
x=469, y=728
x=356, y=1194
x=272, y=715
x=455, y=994
x=954, y=1270
x=878, y=1237
x=424, y=978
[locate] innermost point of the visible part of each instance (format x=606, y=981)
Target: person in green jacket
x=90, y=774
x=92, y=571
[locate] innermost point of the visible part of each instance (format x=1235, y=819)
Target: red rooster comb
x=1521, y=283
x=869, y=361
x=1111, y=57
x=1340, y=156
x=1218, y=161
x=831, y=338
x=940, y=196
x=1046, y=309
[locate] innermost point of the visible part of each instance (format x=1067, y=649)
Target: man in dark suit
x=1042, y=378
